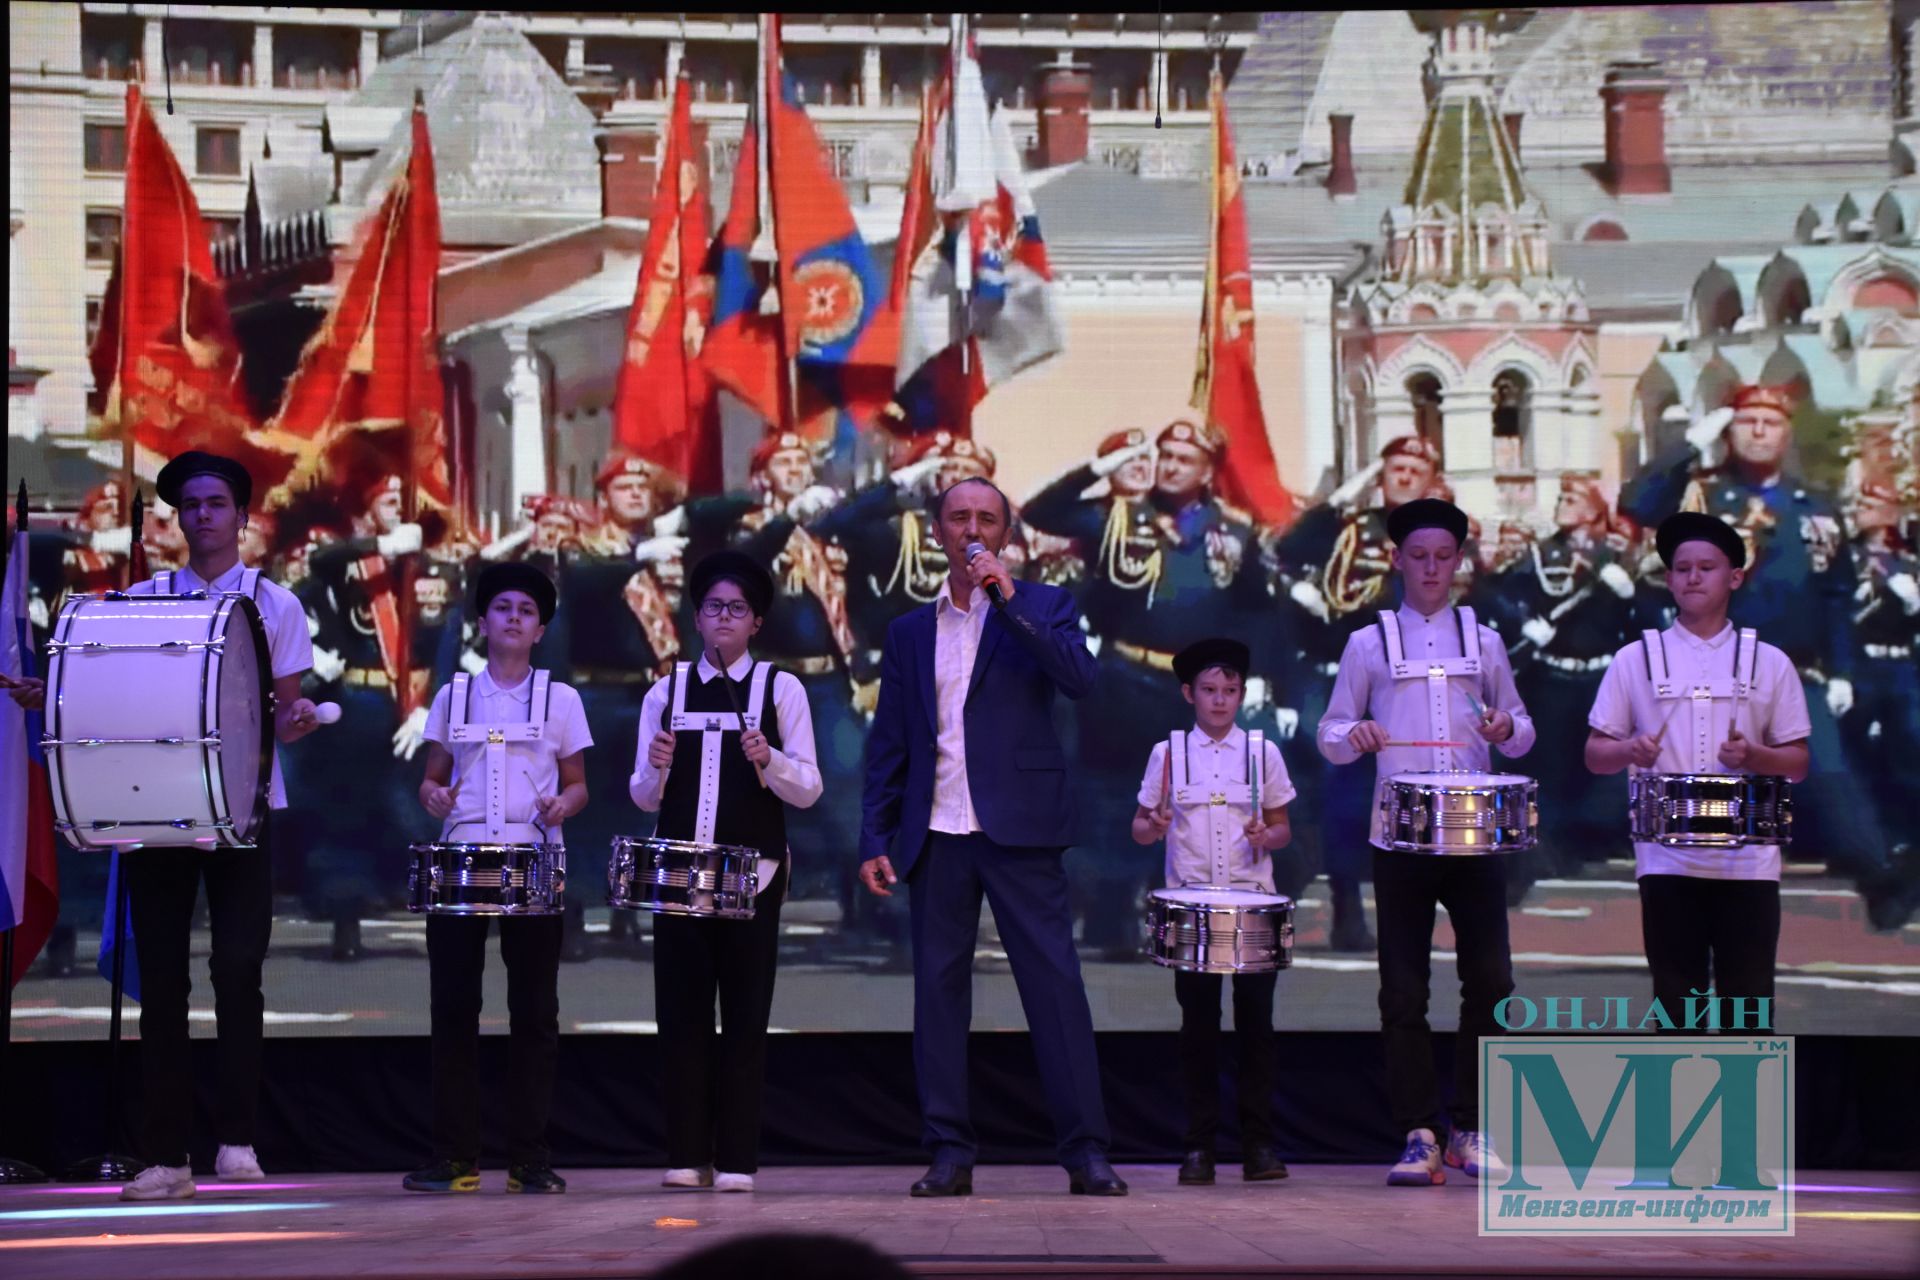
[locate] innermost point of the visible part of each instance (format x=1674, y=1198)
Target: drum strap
x=495, y=737
x=1737, y=686
x=713, y=726
x=1227, y=806
x=1438, y=673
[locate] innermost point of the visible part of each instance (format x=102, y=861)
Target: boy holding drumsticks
x=545, y=783
x=1430, y=689
x=1224, y=841
x=1700, y=697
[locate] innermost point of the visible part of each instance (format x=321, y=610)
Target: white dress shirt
x=792, y=772
x=1775, y=713
x=533, y=767
x=956, y=643
x=1207, y=843
x=289, y=644
x=1366, y=689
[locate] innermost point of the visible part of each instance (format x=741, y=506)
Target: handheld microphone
x=993, y=588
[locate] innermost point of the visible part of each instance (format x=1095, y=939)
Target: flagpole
x=765, y=247
x=962, y=315
x=12, y=1171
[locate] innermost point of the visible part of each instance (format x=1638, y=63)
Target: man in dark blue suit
x=966, y=795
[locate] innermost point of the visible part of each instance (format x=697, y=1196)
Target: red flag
x=1224, y=387
x=918, y=225
x=742, y=348
x=166, y=364
x=374, y=364
x=662, y=404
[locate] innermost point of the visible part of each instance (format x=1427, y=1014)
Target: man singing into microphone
x=967, y=789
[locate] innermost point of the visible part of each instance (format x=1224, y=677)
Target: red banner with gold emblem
x=1224, y=386
x=663, y=402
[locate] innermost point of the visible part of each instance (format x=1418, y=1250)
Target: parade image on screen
x=601, y=294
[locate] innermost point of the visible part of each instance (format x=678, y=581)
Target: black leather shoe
x=1259, y=1164
x=1197, y=1169
x=535, y=1179
x=1096, y=1178
x=346, y=937
x=945, y=1179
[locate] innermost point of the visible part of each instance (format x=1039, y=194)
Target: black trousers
x=456, y=957
x=161, y=886
x=713, y=1091
x=1406, y=888
x=1199, y=996
x=1698, y=930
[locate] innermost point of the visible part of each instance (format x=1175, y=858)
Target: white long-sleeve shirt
x=956, y=643
x=792, y=772
x=1365, y=689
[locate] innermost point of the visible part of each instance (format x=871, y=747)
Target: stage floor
x=1326, y=1219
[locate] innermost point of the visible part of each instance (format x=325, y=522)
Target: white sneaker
x=1419, y=1164
x=689, y=1178
x=1472, y=1150
x=733, y=1182
x=237, y=1164
x=161, y=1182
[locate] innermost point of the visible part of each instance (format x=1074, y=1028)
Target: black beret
x=1216, y=652
x=193, y=462
x=1697, y=526
x=755, y=583
x=1425, y=513
x=514, y=575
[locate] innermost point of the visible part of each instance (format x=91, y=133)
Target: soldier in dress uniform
x=1884, y=726
x=363, y=807
x=1574, y=598
x=615, y=633
x=1334, y=573
x=1799, y=591
x=1172, y=567
x=97, y=559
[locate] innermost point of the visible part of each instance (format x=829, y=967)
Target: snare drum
x=1205, y=929
x=487, y=879
x=1709, y=810
x=157, y=722
x=683, y=877
x=1460, y=812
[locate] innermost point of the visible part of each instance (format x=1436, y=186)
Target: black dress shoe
x=1197, y=1169
x=945, y=1179
x=1259, y=1164
x=346, y=937
x=1096, y=1178
x=535, y=1179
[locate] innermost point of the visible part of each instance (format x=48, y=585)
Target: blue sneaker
x=443, y=1176
x=1419, y=1164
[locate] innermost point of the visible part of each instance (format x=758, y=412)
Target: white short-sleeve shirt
x=1775, y=714
x=533, y=767
x=289, y=643
x=1201, y=837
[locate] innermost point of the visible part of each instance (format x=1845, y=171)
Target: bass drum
x=157, y=723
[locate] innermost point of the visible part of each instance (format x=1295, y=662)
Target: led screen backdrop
x=467, y=288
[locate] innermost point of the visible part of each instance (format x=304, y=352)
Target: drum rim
x=429, y=846
x=697, y=846
x=1264, y=899
x=263, y=667
x=1422, y=778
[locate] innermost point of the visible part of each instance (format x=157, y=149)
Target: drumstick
x=1166, y=783
x=1672, y=711
x=1450, y=745
x=733, y=700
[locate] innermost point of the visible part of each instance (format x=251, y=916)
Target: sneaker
x=692, y=1179
x=1472, y=1150
x=733, y=1182
x=161, y=1182
x=1419, y=1164
x=443, y=1176
x=535, y=1179
x=237, y=1164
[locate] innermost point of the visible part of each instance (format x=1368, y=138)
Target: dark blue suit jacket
x=1016, y=769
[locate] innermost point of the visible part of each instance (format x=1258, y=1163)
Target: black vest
x=744, y=812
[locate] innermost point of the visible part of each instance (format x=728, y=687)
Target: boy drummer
x=212, y=495
x=1431, y=674
x=1199, y=795
x=1700, y=697
x=517, y=790
x=717, y=775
